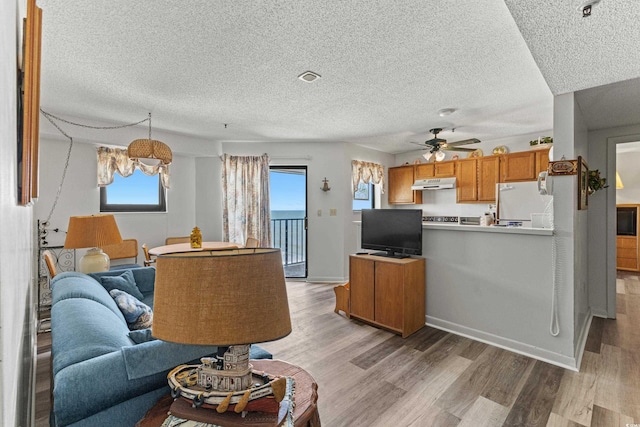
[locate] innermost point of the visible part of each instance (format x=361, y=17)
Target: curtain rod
x=283, y=158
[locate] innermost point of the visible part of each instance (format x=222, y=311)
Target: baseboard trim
x=321, y=279
x=505, y=343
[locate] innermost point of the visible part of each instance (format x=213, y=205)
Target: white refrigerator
x=522, y=202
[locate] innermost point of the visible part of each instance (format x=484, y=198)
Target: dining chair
x=251, y=243
x=128, y=249
x=147, y=258
x=51, y=264
x=174, y=240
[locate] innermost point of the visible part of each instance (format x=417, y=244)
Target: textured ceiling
x=387, y=67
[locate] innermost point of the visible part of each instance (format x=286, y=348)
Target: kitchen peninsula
x=496, y=285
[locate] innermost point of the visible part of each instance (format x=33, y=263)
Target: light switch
x=319, y=212
x=333, y=212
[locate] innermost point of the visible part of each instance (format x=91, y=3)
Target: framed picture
x=583, y=184
x=362, y=193
x=29, y=106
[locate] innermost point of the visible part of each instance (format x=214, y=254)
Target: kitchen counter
x=487, y=229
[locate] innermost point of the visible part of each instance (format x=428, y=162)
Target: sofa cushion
x=124, y=282
x=141, y=335
x=137, y=314
x=78, y=285
x=82, y=329
x=144, y=277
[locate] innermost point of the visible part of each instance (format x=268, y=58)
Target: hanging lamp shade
x=150, y=149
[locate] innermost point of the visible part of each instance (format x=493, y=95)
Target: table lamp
x=228, y=298
x=92, y=231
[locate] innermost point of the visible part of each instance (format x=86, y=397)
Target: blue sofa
x=101, y=376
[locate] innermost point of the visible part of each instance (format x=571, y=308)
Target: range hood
x=434, y=184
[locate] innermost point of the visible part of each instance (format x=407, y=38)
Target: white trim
x=556, y=359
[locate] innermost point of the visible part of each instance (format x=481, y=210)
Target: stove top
x=440, y=219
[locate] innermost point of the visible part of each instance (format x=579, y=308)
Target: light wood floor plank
x=556, y=420
x=484, y=413
x=606, y=418
x=577, y=391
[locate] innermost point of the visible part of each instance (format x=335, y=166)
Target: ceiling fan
x=435, y=144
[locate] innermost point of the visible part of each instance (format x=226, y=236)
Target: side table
x=305, y=412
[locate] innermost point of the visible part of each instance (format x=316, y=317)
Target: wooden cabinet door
x=467, y=181
x=389, y=294
x=425, y=171
x=520, y=166
x=488, y=176
x=542, y=160
x=361, y=284
x=401, y=178
x=445, y=169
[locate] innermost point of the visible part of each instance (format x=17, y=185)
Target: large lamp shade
x=221, y=298
x=92, y=231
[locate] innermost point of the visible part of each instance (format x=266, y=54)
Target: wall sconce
x=325, y=184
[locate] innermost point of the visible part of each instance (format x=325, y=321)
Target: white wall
x=17, y=267
x=80, y=195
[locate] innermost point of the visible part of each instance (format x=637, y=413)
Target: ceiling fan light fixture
x=309, y=76
x=440, y=156
x=443, y=112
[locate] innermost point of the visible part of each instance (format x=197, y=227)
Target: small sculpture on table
x=196, y=238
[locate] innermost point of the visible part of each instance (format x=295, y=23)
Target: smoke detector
x=309, y=76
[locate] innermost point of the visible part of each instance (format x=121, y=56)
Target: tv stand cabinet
x=388, y=292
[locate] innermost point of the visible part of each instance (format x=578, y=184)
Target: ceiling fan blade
x=450, y=148
x=422, y=145
x=464, y=142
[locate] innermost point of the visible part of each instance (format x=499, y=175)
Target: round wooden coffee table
x=305, y=413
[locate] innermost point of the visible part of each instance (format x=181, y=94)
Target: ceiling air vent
x=309, y=76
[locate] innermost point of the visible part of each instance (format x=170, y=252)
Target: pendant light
x=149, y=148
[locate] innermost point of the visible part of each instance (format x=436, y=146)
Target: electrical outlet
x=319, y=212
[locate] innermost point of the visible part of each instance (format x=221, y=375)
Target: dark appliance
x=396, y=232
x=627, y=221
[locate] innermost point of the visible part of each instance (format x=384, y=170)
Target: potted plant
x=541, y=142
x=596, y=182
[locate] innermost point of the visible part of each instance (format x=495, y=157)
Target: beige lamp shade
x=222, y=298
x=92, y=231
x=150, y=149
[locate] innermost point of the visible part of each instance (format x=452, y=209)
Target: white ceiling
x=387, y=67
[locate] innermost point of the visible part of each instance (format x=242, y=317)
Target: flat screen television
x=627, y=221
x=396, y=233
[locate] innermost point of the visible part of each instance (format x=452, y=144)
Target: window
x=364, y=197
x=136, y=193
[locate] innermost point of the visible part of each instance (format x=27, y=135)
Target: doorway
x=288, y=194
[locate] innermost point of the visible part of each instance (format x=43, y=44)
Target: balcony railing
x=289, y=235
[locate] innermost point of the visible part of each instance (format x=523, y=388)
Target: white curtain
x=246, y=211
x=367, y=172
x=112, y=160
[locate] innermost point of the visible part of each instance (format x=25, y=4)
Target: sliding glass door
x=288, y=191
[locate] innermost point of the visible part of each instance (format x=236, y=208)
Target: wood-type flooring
x=372, y=378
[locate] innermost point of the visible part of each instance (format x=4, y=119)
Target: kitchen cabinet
x=425, y=171
x=388, y=292
x=627, y=253
x=445, y=169
x=488, y=177
x=542, y=161
x=401, y=178
x=467, y=181
x=477, y=178
x=519, y=166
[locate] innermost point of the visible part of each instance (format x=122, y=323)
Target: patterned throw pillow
x=124, y=282
x=137, y=314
